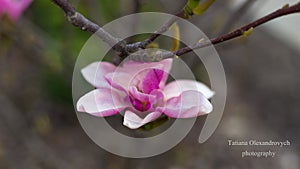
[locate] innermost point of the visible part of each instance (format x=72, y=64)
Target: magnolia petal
x=140, y=74
x=167, y=65
x=102, y=102
x=133, y=73
x=152, y=80
x=176, y=87
x=119, y=80
x=133, y=121
x=188, y=104
x=158, y=99
x=95, y=72
x=140, y=96
x=163, y=65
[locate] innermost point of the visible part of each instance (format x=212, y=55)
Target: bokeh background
x=38, y=124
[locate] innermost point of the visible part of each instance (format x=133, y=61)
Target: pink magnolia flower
x=140, y=89
x=13, y=8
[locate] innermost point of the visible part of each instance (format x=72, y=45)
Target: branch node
x=248, y=32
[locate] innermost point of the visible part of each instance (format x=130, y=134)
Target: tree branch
x=286, y=10
x=78, y=20
x=135, y=46
x=83, y=23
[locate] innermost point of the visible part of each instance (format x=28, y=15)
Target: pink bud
x=13, y=8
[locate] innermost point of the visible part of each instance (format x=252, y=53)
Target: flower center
x=140, y=105
x=144, y=106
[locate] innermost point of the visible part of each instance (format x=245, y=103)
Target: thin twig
x=78, y=20
x=85, y=24
x=184, y=13
x=135, y=46
x=238, y=32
